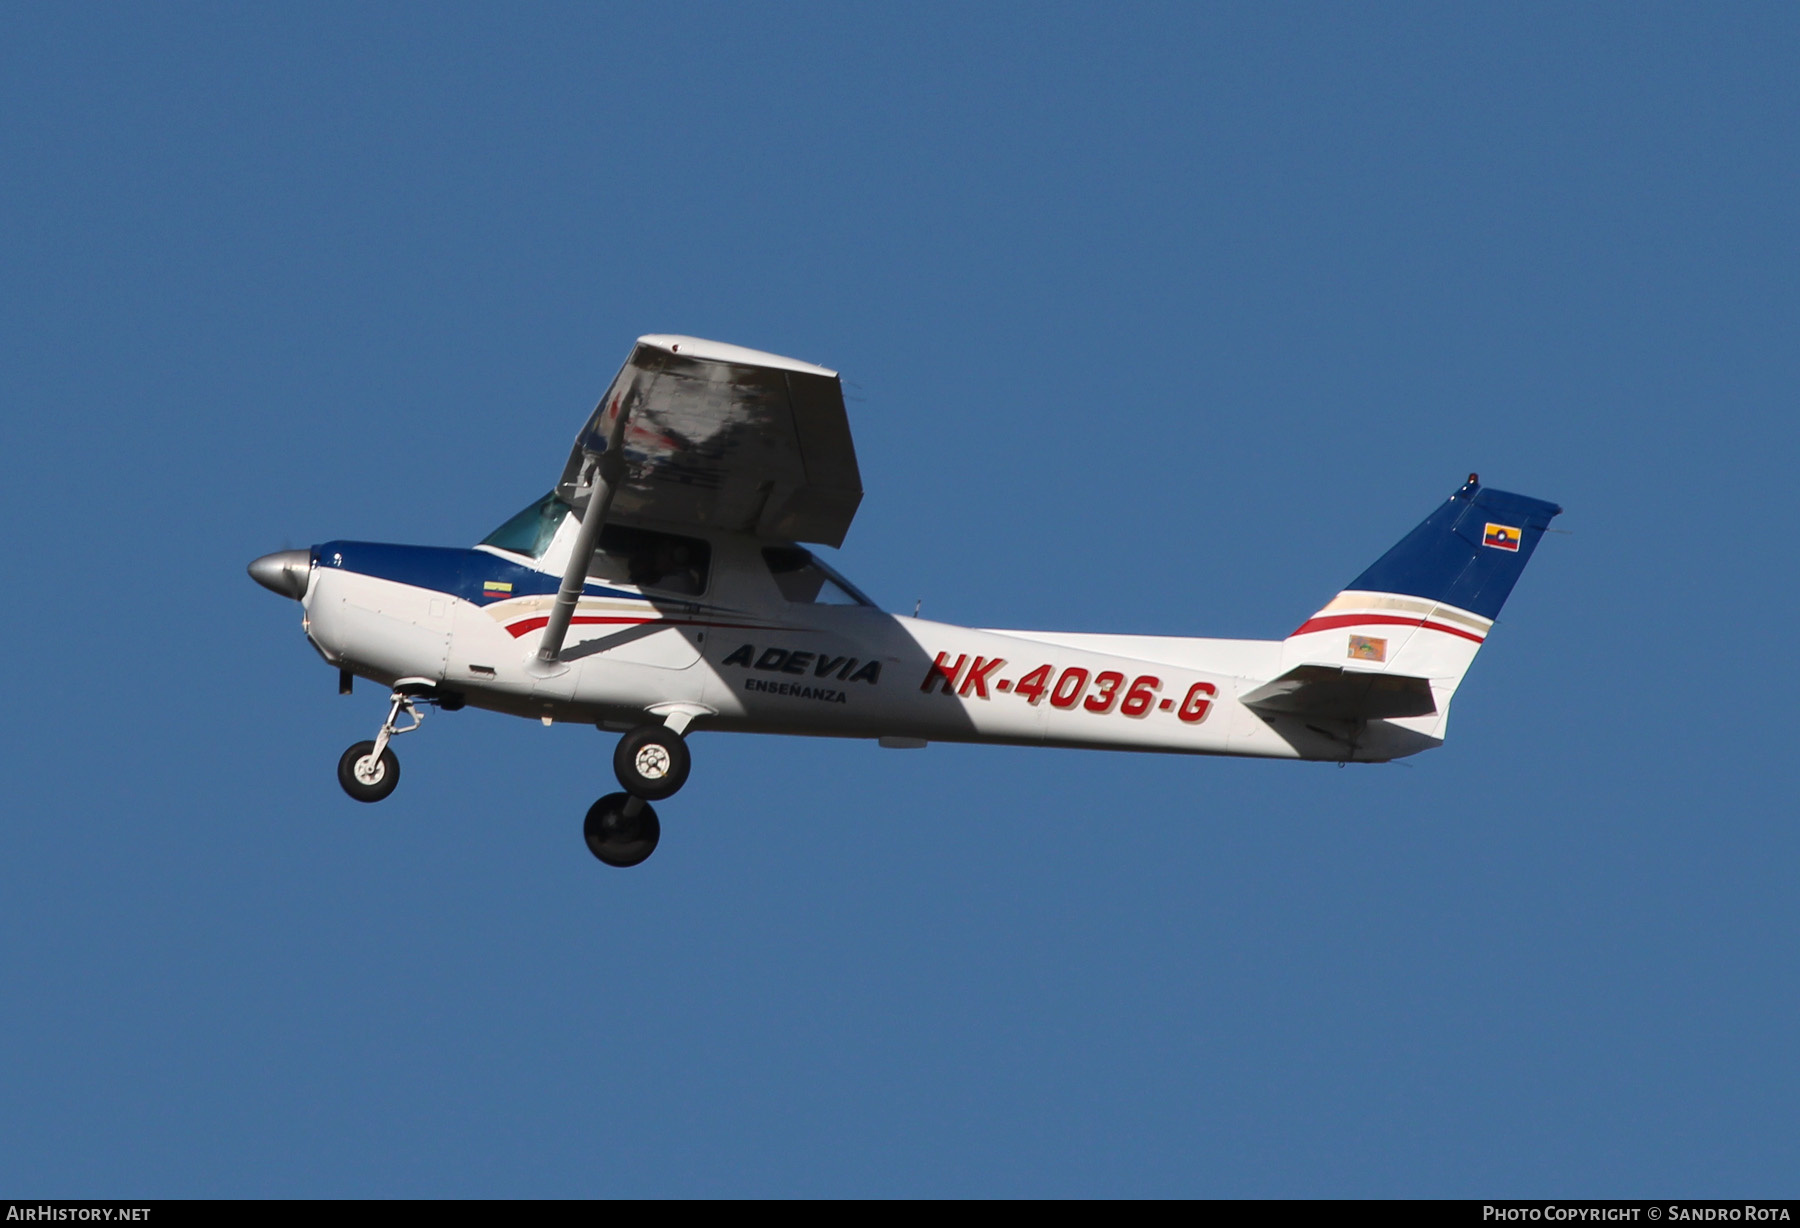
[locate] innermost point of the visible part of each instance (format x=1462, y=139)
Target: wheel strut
x=400, y=702
x=368, y=771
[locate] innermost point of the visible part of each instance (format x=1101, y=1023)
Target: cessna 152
x=659, y=589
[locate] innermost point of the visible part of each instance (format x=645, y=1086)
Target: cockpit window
x=529, y=533
x=649, y=559
x=625, y=555
x=804, y=580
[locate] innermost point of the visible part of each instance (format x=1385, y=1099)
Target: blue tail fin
x=1467, y=554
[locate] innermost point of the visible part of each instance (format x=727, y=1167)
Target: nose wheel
x=369, y=771
x=368, y=775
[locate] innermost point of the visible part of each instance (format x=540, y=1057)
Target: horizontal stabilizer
x=1332, y=693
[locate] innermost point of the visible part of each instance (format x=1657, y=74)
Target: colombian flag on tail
x=1501, y=537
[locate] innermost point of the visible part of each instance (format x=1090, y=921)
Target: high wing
x=724, y=437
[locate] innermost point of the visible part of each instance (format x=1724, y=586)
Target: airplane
x=663, y=587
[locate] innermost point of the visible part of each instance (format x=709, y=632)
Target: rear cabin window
x=804, y=580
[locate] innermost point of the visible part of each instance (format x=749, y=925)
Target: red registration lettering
x=978, y=675
x=942, y=671
x=1198, y=702
x=1069, y=687
x=1141, y=695
x=1032, y=685
x=1108, y=681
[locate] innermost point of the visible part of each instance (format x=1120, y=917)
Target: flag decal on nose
x=496, y=588
x=1501, y=537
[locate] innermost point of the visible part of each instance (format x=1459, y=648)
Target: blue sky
x=1159, y=318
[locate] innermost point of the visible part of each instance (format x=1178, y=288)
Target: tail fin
x=1397, y=642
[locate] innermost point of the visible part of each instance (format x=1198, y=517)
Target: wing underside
x=723, y=437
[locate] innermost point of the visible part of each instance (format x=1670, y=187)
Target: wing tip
x=724, y=351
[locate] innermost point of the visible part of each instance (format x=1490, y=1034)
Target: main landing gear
x=369, y=771
x=652, y=763
x=621, y=829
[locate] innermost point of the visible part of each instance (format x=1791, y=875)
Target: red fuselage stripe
x=1364, y=620
x=527, y=625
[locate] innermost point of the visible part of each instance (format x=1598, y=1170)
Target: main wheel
x=652, y=762
x=619, y=839
x=365, y=777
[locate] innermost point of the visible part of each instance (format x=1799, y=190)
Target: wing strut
x=603, y=472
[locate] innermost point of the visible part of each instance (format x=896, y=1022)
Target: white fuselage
x=740, y=657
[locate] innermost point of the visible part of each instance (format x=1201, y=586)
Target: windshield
x=529, y=533
x=805, y=580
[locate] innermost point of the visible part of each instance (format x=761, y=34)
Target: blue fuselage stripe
x=457, y=573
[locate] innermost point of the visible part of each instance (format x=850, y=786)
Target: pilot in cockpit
x=664, y=564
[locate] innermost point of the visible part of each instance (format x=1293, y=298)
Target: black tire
x=388, y=773
x=652, y=762
x=619, y=840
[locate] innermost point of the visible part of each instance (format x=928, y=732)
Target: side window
x=804, y=580
x=649, y=559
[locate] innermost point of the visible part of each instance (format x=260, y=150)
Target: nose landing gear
x=369, y=771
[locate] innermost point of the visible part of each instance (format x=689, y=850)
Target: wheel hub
x=652, y=762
